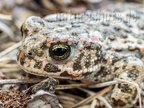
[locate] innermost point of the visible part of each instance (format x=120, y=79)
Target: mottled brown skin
x=100, y=50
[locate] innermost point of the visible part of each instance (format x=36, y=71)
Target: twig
x=7, y=59
x=93, y=104
x=19, y=81
x=100, y=85
x=105, y=102
x=7, y=30
x=90, y=98
x=69, y=86
x=9, y=66
x=10, y=49
x=27, y=81
x=5, y=17
x=100, y=98
x=6, y=70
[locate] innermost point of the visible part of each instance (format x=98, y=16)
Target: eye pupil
x=59, y=51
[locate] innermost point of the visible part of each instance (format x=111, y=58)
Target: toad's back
x=77, y=46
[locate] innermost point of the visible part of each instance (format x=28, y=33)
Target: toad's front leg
x=48, y=85
x=126, y=92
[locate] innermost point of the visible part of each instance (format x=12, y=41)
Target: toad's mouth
x=41, y=67
x=58, y=75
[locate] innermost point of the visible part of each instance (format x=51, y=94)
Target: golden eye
x=59, y=51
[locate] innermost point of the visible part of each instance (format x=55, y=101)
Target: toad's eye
x=59, y=51
x=21, y=30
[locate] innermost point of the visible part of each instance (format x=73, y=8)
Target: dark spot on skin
x=38, y=64
x=95, y=46
x=77, y=32
x=118, y=102
x=68, y=28
x=128, y=25
x=87, y=73
x=140, y=25
x=22, y=60
x=125, y=21
x=114, y=102
x=115, y=69
x=75, y=25
x=133, y=67
x=102, y=57
x=134, y=94
x=118, y=49
x=38, y=20
x=36, y=29
x=112, y=37
x=96, y=62
x=125, y=60
x=51, y=68
x=133, y=74
x=33, y=52
x=65, y=74
x=128, y=99
x=105, y=23
x=131, y=48
x=98, y=47
x=125, y=88
x=124, y=66
x=124, y=35
x=127, y=30
x=102, y=72
x=58, y=31
x=40, y=53
x=43, y=45
x=139, y=41
x=37, y=52
x=77, y=63
x=25, y=31
x=96, y=80
x=30, y=55
x=115, y=59
x=121, y=103
x=88, y=63
x=61, y=24
x=103, y=60
x=117, y=28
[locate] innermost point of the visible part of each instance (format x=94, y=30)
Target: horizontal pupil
x=59, y=51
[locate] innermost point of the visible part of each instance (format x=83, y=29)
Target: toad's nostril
x=30, y=53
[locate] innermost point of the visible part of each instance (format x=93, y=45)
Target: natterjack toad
x=92, y=46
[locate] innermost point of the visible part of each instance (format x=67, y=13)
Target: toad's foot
x=47, y=85
x=127, y=91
